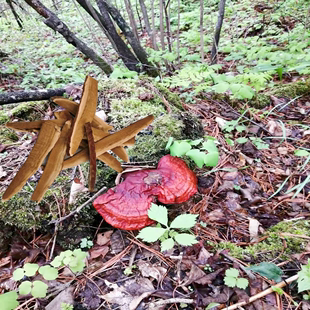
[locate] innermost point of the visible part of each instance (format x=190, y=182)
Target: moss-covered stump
x=282, y=242
x=120, y=100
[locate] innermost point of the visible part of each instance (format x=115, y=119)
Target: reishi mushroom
x=126, y=205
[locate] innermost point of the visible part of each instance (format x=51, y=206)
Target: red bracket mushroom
x=126, y=205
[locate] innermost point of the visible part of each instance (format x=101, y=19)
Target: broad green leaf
x=303, y=280
x=79, y=254
x=39, y=289
x=197, y=156
x=77, y=265
x=169, y=143
x=230, y=281
x=242, y=283
x=158, y=214
x=151, y=234
x=167, y=244
x=246, y=92
x=211, y=159
x=221, y=87
x=31, y=269
x=242, y=140
x=268, y=270
x=195, y=142
x=57, y=262
x=301, y=153
x=18, y=274
x=117, y=73
x=25, y=288
x=240, y=128
x=48, y=272
x=212, y=305
x=185, y=239
x=184, y=221
x=209, y=146
x=232, y=272
x=179, y=148
x=8, y=301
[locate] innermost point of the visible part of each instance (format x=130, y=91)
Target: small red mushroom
x=126, y=206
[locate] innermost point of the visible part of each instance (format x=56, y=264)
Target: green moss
x=3, y=117
x=173, y=99
x=7, y=135
x=273, y=245
x=29, y=111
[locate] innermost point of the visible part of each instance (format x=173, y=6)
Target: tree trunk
x=201, y=32
x=52, y=21
x=146, y=18
x=161, y=24
x=217, y=32
x=168, y=25
x=155, y=47
x=131, y=18
x=32, y=95
x=135, y=44
x=178, y=33
x=16, y=16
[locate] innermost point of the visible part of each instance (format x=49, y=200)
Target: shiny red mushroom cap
x=126, y=206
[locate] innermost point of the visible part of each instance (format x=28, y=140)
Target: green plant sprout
x=199, y=156
x=232, y=279
x=128, y=271
x=86, y=243
x=168, y=235
x=65, y=306
x=303, y=280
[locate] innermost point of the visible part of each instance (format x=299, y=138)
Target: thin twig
x=77, y=210
x=263, y=293
x=170, y=301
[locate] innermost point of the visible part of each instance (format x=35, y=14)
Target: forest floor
x=252, y=207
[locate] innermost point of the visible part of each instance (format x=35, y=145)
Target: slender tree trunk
x=52, y=21
x=146, y=18
x=16, y=16
x=161, y=24
x=138, y=14
x=135, y=44
x=155, y=47
x=217, y=32
x=201, y=32
x=168, y=25
x=178, y=33
x=131, y=18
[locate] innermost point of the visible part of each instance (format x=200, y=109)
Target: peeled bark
x=52, y=21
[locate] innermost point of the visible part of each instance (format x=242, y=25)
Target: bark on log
x=32, y=95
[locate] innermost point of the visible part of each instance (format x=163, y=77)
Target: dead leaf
x=66, y=296
x=76, y=188
x=103, y=239
x=151, y=270
x=253, y=229
x=97, y=251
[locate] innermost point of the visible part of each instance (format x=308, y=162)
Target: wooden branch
x=31, y=95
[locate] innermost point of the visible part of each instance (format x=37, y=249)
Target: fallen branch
x=263, y=293
x=31, y=95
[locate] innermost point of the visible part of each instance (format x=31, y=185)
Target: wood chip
x=46, y=140
x=92, y=157
x=32, y=126
x=54, y=163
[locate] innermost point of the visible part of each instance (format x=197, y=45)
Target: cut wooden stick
x=111, y=161
x=85, y=114
x=92, y=157
x=46, y=140
x=54, y=163
x=32, y=126
x=66, y=115
x=73, y=107
x=110, y=142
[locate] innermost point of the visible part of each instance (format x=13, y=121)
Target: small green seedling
x=86, y=243
x=168, y=235
x=212, y=305
x=207, y=154
x=232, y=279
x=128, y=270
x=303, y=280
x=65, y=306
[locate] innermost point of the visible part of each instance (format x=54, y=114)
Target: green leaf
x=25, y=288
x=151, y=234
x=39, y=289
x=212, y=305
x=221, y=87
x=57, y=262
x=240, y=128
x=303, y=280
x=242, y=140
x=277, y=290
x=179, y=148
x=195, y=142
x=246, y=92
x=268, y=270
x=18, y=274
x=230, y=281
x=301, y=153
x=211, y=159
x=158, y=214
x=185, y=239
x=184, y=221
x=48, y=272
x=8, y=301
x=31, y=269
x=169, y=143
x=242, y=283
x=197, y=156
x=232, y=272
x=167, y=244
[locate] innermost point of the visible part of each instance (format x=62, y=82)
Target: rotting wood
x=85, y=113
x=46, y=140
x=54, y=163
